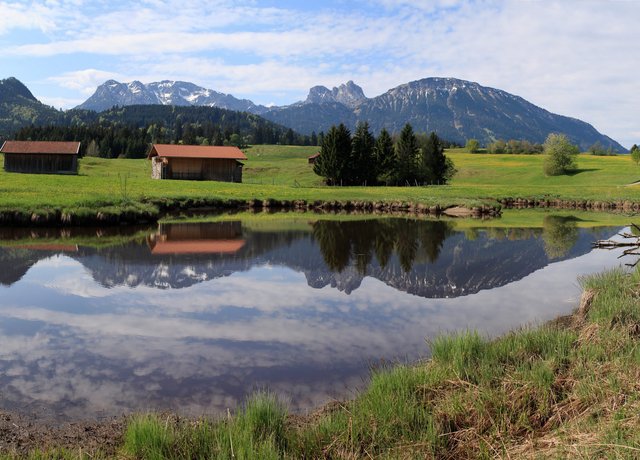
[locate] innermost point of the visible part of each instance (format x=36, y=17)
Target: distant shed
x=196, y=162
x=41, y=157
x=312, y=159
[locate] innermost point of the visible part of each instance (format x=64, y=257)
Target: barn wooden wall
x=41, y=163
x=202, y=169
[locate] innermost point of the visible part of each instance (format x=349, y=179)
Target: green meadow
x=283, y=173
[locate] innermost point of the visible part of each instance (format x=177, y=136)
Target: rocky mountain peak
x=319, y=95
x=136, y=84
x=348, y=94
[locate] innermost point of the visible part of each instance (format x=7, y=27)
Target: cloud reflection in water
x=74, y=348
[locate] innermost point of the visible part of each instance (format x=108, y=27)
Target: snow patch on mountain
x=166, y=92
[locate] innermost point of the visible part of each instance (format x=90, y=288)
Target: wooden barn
x=196, y=162
x=312, y=159
x=41, y=157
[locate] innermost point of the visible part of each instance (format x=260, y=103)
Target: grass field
x=282, y=173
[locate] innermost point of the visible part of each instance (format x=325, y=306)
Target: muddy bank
x=586, y=205
x=20, y=435
x=153, y=210
x=150, y=211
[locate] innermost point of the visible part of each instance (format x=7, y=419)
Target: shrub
x=473, y=145
x=560, y=155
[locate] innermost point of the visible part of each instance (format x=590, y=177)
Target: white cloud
x=85, y=81
x=62, y=102
x=576, y=58
x=20, y=15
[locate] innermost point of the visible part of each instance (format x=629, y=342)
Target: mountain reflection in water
x=426, y=258
x=192, y=317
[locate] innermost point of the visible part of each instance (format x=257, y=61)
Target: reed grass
x=257, y=431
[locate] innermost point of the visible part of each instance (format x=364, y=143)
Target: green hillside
x=18, y=108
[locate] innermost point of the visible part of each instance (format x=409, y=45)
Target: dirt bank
x=20, y=434
x=152, y=211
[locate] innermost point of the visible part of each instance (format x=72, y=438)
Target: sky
x=579, y=58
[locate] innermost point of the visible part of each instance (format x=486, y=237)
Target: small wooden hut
x=196, y=162
x=41, y=157
x=312, y=159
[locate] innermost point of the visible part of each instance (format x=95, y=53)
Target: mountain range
x=112, y=93
x=456, y=109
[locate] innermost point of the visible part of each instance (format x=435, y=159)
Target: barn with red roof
x=41, y=157
x=196, y=162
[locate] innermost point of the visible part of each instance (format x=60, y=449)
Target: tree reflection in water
x=560, y=234
x=345, y=242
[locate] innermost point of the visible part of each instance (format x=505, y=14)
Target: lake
x=192, y=317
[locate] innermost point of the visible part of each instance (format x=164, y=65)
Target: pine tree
x=433, y=163
x=386, y=161
x=406, y=153
x=335, y=154
x=362, y=167
x=219, y=139
x=289, y=137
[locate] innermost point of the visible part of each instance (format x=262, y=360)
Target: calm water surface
x=193, y=317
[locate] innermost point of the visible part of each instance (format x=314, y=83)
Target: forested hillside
x=128, y=131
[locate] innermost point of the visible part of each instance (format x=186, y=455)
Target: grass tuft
x=149, y=437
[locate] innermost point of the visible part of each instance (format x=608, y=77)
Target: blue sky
x=579, y=58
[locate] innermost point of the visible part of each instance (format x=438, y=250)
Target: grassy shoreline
x=569, y=388
x=122, y=191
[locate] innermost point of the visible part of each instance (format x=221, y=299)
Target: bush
x=473, y=145
x=560, y=155
x=635, y=154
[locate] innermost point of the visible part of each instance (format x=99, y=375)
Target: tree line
x=512, y=146
x=361, y=159
x=128, y=131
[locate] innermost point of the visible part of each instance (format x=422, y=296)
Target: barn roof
x=196, y=151
x=197, y=247
x=41, y=147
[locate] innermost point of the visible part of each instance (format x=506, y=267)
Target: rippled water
x=192, y=317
